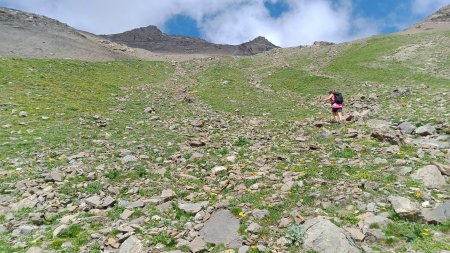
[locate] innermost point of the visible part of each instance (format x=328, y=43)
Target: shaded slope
x=34, y=36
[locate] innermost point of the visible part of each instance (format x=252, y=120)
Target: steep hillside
x=439, y=21
x=230, y=154
x=34, y=36
x=154, y=157
x=152, y=39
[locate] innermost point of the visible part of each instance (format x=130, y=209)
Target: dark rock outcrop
x=152, y=39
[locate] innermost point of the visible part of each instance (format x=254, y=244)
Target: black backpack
x=338, y=98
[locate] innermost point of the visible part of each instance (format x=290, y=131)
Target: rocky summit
x=152, y=39
x=224, y=154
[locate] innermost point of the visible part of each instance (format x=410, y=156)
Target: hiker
x=337, y=101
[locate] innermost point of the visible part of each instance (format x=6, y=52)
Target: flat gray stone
x=129, y=159
x=56, y=176
x=260, y=214
x=193, y=207
x=378, y=124
x=407, y=127
x=94, y=201
x=430, y=176
x=438, y=214
x=28, y=202
x=254, y=228
x=131, y=245
x=197, y=245
x=323, y=236
x=403, y=206
x=222, y=227
x=131, y=204
x=35, y=250
x=425, y=130
x=168, y=194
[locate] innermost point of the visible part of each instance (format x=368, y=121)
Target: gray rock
x=129, y=204
x=430, y=176
x=129, y=159
x=356, y=234
x=131, y=245
x=324, y=237
x=407, y=127
x=23, y=114
x=197, y=245
x=430, y=143
x=404, y=171
x=254, y=228
x=193, y=207
x=377, y=124
x=108, y=201
x=28, y=202
x=438, y=214
x=149, y=110
x=56, y=176
x=445, y=169
x=126, y=214
x=218, y=169
x=244, y=249
x=425, y=130
x=284, y=223
x=94, y=201
x=34, y=250
x=403, y=206
x=222, y=227
x=260, y=214
x=393, y=137
x=59, y=229
x=168, y=194
x=23, y=230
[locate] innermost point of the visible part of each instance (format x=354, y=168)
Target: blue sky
x=284, y=22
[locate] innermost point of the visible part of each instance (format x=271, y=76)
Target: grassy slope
x=68, y=93
x=281, y=85
x=312, y=72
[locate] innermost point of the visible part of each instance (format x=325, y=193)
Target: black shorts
x=336, y=109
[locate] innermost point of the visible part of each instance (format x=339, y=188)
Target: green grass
x=226, y=89
x=69, y=93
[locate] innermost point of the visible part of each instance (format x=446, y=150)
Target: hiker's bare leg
x=335, y=115
x=340, y=116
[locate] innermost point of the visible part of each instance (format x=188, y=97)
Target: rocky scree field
x=230, y=154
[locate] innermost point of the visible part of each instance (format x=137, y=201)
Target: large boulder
x=430, y=176
x=403, y=206
x=407, y=127
x=222, y=227
x=387, y=135
x=324, y=237
x=425, y=130
x=438, y=214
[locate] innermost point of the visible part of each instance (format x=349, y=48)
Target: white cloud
x=428, y=6
x=221, y=21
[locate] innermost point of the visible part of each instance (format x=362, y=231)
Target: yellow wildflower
x=418, y=194
x=426, y=232
x=270, y=205
x=241, y=214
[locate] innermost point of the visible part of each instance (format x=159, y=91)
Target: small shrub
x=112, y=174
x=295, y=234
x=241, y=141
x=187, y=155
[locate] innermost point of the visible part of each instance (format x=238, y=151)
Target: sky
x=285, y=23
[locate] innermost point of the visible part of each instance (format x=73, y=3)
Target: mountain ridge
x=154, y=40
